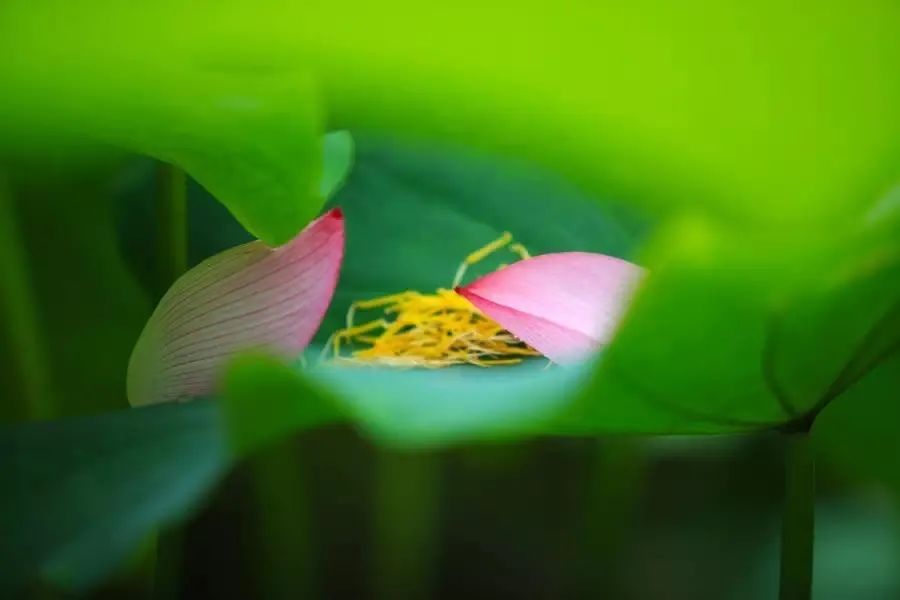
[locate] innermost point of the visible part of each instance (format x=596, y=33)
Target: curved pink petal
x=563, y=305
x=251, y=296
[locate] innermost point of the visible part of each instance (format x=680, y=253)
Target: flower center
x=439, y=329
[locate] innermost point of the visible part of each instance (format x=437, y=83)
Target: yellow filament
x=520, y=250
x=480, y=254
x=430, y=330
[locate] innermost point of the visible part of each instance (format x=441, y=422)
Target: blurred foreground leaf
x=266, y=399
x=743, y=330
x=454, y=405
x=251, y=137
x=754, y=114
x=750, y=113
x=337, y=160
x=211, y=227
x=858, y=432
x=81, y=493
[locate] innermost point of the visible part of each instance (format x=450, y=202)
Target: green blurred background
x=746, y=155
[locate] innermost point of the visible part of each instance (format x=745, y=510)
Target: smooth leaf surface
x=424, y=408
x=700, y=324
x=746, y=112
x=844, y=325
x=748, y=330
x=80, y=493
x=751, y=113
x=264, y=399
x=212, y=229
x=858, y=431
x=337, y=161
x=251, y=138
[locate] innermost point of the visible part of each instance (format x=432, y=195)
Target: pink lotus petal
x=251, y=296
x=564, y=305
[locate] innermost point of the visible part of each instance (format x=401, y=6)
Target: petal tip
x=246, y=298
x=465, y=292
x=336, y=213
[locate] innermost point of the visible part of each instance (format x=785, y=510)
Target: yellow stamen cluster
x=430, y=330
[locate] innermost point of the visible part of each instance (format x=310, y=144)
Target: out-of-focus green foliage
x=762, y=114
x=746, y=330
x=762, y=134
x=856, y=549
x=136, y=190
x=87, y=307
x=252, y=138
x=263, y=400
x=338, y=152
x=79, y=494
x=858, y=433
x=857, y=552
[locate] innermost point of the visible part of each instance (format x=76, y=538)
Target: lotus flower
x=248, y=297
x=565, y=305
